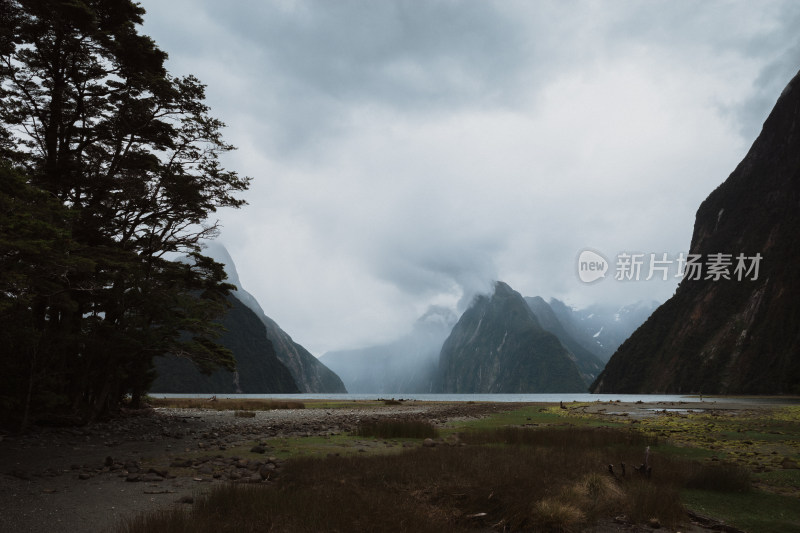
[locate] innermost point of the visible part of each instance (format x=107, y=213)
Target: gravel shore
x=91, y=478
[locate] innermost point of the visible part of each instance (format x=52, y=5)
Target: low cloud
x=408, y=154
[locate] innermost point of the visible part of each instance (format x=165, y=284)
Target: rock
x=162, y=473
x=186, y=499
x=20, y=474
x=258, y=449
x=133, y=478
x=428, y=443
x=265, y=471
x=789, y=464
x=109, y=462
x=205, y=469
x=180, y=463
x=149, y=478
x=84, y=476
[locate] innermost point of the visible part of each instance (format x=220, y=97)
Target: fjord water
x=545, y=398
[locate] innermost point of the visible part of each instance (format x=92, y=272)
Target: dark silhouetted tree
x=112, y=168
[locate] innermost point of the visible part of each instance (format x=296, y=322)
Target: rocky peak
x=498, y=346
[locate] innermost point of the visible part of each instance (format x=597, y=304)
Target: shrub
x=397, y=429
x=721, y=478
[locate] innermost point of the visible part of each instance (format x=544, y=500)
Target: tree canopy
x=110, y=170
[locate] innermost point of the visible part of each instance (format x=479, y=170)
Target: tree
x=127, y=157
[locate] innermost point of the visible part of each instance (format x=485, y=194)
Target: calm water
x=554, y=398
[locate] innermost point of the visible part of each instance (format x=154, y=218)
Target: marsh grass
x=720, y=478
x=558, y=486
x=397, y=429
x=225, y=404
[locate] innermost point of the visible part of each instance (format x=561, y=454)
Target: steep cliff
x=498, y=346
x=258, y=370
x=602, y=328
x=588, y=363
x=732, y=335
x=308, y=372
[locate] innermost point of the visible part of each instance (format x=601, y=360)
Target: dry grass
x=225, y=404
x=397, y=429
x=557, y=481
x=720, y=478
x=392, y=402
x=554, y=515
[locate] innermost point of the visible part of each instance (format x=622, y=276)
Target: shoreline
x=82, y=479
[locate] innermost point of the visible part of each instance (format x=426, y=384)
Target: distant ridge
x=309, y=373
x=248, y=338
x=406, y=365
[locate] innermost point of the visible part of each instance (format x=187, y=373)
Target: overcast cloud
x=406, y=153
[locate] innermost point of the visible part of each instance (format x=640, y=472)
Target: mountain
x=407, y=365
x=599, y=328
x=258, y=368
x=588, y=363
x=308, y=372
x=739, y=335
x=498, y=346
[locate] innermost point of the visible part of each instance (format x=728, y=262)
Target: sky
x=408, y=153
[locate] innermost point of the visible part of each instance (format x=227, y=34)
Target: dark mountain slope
x=308, y=372
x=588, y=363
x=732, y=336
x=601, y=328
x=258, y=369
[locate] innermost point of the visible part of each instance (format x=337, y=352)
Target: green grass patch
x=573, y=438
x=754, y=512
x=781, y=479
x=529, y=415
